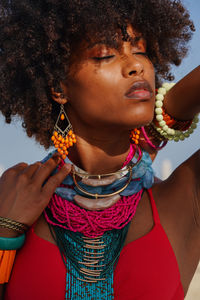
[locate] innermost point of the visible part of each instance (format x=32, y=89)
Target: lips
x=140, y=90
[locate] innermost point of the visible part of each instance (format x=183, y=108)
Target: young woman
x=83, y=76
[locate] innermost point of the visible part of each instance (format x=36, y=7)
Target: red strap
x=154, y=208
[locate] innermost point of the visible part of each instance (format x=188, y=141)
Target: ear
x=60, y=97
x=142, y=44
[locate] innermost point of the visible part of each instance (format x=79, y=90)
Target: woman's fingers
x=23, y=190
x=54, y=181
x=31, y=169
x=17, y=168
x=46, y=169
x=23, y=195
x=14, y=171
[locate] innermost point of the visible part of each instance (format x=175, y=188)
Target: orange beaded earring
x=63, y=136
x=135, y=136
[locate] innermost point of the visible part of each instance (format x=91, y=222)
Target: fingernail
x=56, y=157
x=67, y=167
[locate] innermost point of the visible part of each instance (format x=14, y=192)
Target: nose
x=132, y=66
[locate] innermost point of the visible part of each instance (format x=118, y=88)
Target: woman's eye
x=141, y=53
x=103, y=57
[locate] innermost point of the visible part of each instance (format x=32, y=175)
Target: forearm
x=183, y=100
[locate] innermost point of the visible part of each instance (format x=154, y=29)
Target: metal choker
x=96, y=196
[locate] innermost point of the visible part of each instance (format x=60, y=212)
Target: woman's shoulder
x=178, y=202
x=178, y=197
x=184, y=181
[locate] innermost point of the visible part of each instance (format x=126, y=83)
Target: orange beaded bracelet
x=174, y=123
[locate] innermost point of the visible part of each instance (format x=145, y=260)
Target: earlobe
x=58, y=97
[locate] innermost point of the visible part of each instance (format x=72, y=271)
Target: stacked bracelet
x=12, y=243
x=6, y=263
x=8, y=247
x=14, y=225
x=164, y=124
x=154, y=133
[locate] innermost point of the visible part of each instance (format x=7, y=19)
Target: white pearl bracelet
x=164, y=129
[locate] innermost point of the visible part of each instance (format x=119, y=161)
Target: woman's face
x=109, y=88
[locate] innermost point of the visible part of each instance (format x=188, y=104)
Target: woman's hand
x=23, y=196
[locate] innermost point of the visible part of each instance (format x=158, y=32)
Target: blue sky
x=16, y=147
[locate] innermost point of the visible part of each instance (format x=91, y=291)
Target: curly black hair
x=37, y=39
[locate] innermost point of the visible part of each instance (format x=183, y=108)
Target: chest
x=176, y=223
x=142, y=226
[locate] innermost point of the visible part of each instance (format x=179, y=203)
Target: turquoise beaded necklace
x=90, y=262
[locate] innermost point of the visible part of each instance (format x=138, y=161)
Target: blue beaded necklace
x=90, y=262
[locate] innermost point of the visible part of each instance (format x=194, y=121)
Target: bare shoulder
x=180, y=193
x=178, y=203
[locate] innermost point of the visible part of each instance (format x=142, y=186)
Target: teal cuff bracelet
x=12, y=243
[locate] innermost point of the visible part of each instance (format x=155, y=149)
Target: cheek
x=97, y=96
x=98, y=78
x=150, y=71
x=94, y=88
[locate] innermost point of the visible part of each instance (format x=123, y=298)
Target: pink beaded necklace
x=69, y=216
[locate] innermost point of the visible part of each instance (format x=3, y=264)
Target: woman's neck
x=100, y=155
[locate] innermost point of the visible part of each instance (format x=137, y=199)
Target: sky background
x=16, y=147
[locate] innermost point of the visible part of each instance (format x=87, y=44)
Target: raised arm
x=183, y=103
x=183, y=100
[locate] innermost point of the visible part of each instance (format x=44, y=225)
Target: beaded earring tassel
x=135, y=136
x=63, y=136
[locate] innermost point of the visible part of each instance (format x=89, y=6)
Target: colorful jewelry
x=63, y=136
x=72, y=217
x=96, y=195
x=105, y=179
x=149, y=142
x=12, y=243
x=174, y=123
x=8, y=247
x=90, y=262
x=7, y=258
x=163, y=121
x=14, y=225
x=68, y=215
x=135, y=136
x=90, y=242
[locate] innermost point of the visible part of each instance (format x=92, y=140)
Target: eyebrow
x=96, y=44
x=135, y=39
x=132, y=40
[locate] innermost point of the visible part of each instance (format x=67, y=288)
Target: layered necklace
x=89, y=216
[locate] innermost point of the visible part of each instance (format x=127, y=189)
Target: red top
x=147, y=269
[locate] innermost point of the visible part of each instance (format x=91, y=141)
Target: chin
x=147, y=120
x=142, y=113
x=140, y=119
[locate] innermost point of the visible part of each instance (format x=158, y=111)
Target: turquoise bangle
x=12, y=243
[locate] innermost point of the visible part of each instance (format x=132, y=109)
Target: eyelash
x=111, y=56
x=141, y=53
x=103, y=57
